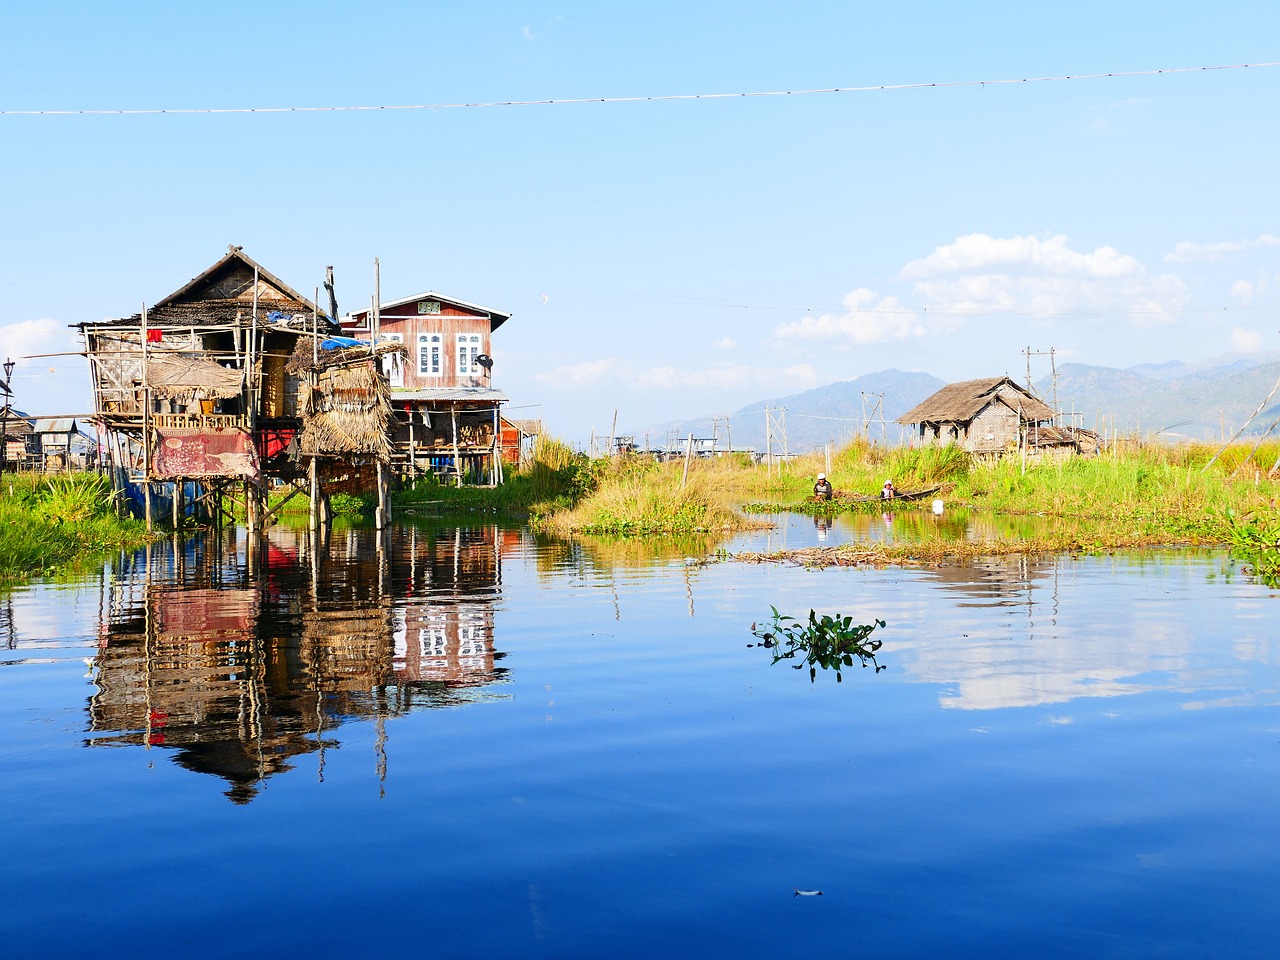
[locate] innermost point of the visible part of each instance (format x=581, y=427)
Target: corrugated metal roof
x=53, y=425
x=451, y=393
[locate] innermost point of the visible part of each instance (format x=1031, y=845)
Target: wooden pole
x=497, y=446
x=251, y=354
x=688, y=455
x=375, y=317
x=457, y=455
x=146, y=428
x=380, y=516
x=768, y=447
x=313, y=514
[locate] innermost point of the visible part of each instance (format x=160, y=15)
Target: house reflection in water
x=239, y=661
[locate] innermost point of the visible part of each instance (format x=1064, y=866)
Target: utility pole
x=4, y=413
x=876, y=408
x=1053, y=368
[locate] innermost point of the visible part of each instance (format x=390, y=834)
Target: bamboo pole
x=688, y=454
x=457, y=456
x=313, y=469
x=146, y=427
x=497, y=446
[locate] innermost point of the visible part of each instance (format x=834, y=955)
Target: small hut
x=346, y=403
x=15, y=427
x=990, y=416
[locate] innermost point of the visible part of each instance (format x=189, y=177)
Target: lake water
x=467, y=742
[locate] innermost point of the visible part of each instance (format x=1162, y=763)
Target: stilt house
x=447, y=412
x=194, y=387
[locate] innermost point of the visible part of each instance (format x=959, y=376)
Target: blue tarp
x=342, y=343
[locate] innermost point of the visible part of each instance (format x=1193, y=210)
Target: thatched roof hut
x=346, y=401
x=983, y=416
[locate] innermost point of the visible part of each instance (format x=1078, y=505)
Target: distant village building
x=15, y=426
x=55, y=444
x=990, y=416
x=448, y=416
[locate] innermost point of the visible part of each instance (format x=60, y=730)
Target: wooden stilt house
x=194, y=387
x=447, y=411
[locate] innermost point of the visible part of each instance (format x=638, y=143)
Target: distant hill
x=1201, y=401
x=1181, y=402
x=813, y=417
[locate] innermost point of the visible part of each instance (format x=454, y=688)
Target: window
x=430, y=346
x=393, y=363
x=468, y=350
x=429, y=306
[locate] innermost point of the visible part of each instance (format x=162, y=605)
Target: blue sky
x=663, y=258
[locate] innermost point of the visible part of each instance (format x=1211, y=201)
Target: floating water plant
x=827, y=642
x=1256, y=540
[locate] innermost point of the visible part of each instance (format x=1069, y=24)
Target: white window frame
x=393, y=363
x=426, y=368
x=468, y=348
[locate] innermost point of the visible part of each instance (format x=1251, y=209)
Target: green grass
x=638, y=497
x=47, y=523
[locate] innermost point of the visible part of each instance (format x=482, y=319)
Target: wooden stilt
x=313, y=520
x=380, y=518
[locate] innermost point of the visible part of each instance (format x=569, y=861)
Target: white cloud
x=868, y=318
x=1002, y=256
x=725, y=343
x=1188, y=252
x=28, y=337
x=980, y=274
x=1246, y=341
x=527, y=32
x=44, y=383
x=1245, y=290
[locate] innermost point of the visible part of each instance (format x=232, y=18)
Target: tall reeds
x=50, y=522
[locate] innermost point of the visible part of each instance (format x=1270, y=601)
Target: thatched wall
x=347, y=412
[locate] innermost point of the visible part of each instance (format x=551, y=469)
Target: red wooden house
x=448, y=413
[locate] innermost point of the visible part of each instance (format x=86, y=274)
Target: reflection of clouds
x=1058, y=636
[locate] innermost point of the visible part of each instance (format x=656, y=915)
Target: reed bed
x=648, y=500
x=47, y=523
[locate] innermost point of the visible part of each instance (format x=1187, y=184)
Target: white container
x=937, y=506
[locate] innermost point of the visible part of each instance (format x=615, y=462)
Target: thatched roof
x=961, y=402
x=186, y=378
x=348, y=412
x=302, y=359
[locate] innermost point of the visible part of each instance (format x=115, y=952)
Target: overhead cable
x=1117, y=74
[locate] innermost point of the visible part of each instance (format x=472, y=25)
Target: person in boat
x=822, y=489
x=887, y=492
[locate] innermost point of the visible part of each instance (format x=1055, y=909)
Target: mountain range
x=1209, y=400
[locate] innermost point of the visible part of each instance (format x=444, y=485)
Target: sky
x=661, y=258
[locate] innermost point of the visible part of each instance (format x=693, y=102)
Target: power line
x=870, y=88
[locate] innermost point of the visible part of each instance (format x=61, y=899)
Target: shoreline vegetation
x=1133, y=496
x=59, y=521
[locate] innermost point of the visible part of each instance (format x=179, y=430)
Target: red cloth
x=155, y=336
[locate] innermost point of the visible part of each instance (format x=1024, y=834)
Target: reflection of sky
x=1020, y=633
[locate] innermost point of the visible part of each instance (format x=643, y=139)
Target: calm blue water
x=468, y=743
